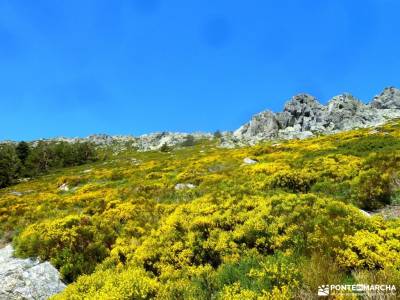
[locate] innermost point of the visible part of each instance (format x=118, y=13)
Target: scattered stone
x=374, y=131
x=365, y=213
x=64, y=187
x=14, y=193
x=24, y=179
x=135, y=161
x=184, y=186
x=27, y=278
x=249, y=161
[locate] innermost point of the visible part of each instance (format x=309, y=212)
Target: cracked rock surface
x=303, y=116
x=27, y=278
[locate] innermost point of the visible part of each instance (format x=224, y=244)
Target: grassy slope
x=279, y=227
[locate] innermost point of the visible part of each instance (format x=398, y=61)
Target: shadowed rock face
x=388, y=99
x=346, y=112
x=264, y=125
x=303, y=110
x=304, y=116
x=27, y=278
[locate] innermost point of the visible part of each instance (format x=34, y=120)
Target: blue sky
x=73, y=68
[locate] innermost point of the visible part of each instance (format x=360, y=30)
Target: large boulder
x=388, y=99
x=184, y=186
x=346, y=112
x=262, y=126
x=27, y=278
x=249, y=161
x=303, y=110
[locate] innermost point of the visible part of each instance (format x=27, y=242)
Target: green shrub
x=371, y=189
x=297, y=181
x=364, y=145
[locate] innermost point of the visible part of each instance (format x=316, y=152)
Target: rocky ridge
x=303, y=116
x=146, y=142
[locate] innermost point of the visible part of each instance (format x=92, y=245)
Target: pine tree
x=189, y=141
x=9, y=165
x=164, y=148
x=217, y=134
x=23, y=151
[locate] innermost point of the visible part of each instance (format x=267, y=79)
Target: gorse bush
x=293, y=180
x=276, y=229
x=74, y=244
x=372, y=189
x=363, y=145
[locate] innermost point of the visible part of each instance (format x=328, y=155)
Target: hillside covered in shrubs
x=202, y=222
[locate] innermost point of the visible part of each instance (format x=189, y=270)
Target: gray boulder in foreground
x=249, y=161
x=27, y=278
x=184, y=186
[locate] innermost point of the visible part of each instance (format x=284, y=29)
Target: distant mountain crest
x=304, y=116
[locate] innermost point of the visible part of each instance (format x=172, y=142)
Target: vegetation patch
x=275, y=229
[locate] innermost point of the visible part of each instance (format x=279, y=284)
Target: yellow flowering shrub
x=376, y=249
x=270, y=230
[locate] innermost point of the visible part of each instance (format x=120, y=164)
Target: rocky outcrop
x=263, y=126
x=146, y=142
x=155, y=141
x=302, y=110
x=303, y=116
x=27, y=278
x=346, y=112
x=388, y=99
